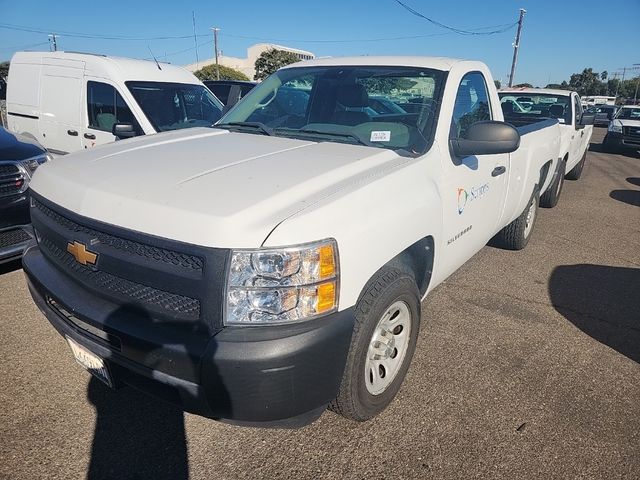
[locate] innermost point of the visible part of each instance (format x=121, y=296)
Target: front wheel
x=384, y=339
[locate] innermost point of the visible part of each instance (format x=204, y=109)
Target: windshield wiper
x=256, y=126
x=311, y=132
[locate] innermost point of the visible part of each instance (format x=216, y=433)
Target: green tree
x=559, y=86
x=497, y=84
x=4, y=70
x=226, y=73
x=271, y=60
x=523, y=85
x=604, y=75
x=586, y=83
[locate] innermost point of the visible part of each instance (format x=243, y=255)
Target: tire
x=576, y=172
x=516, y=235
x=390, y=299
x=608, y=146
x=550, y=198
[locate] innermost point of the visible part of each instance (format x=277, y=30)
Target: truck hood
x=626, y=122
x=206, y=186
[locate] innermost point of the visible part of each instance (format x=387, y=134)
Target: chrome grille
x=12, y=179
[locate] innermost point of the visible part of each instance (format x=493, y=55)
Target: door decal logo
x=466, y=196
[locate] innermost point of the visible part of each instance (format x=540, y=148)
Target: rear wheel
x=382, y=345
x=516, y=235
x=550, y=198
x=576, y=172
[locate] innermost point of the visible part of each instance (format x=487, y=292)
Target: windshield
x=171, y=106
x=537, y=105
x=387, y=107
x=629, y=114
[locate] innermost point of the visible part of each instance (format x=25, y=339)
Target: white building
x=247, y=65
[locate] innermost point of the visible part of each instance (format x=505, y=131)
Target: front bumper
x=13, y=241
x=621, y=141
x=267, y=376
x=15, y=231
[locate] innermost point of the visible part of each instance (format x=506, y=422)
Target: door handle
x=73, y=133
x=498, y=171
x=90, y=136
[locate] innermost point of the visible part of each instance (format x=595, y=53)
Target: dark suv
x=603, y=114
x=225, y=89
x=19, y=157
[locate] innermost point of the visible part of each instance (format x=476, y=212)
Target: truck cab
x=523, y=106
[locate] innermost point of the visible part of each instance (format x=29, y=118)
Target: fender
x=371, y=224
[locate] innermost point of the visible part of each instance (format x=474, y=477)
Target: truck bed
x=519, y=120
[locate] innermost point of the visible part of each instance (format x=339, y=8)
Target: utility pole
x=195, y=38
x=636, y=66
x=516, y=45
x=54, y=43
x=215, y=48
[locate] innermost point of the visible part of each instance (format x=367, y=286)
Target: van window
x=105, y=106
x=172, y=106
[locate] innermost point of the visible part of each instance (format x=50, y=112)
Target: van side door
x=474, y=187
x=103, y=107
x=60, y=93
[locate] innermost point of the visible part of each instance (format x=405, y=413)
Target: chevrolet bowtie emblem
x=81, y=254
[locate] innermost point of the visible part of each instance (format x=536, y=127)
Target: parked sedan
x=603, y=114
x=19, y=158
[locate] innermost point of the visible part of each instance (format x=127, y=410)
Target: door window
x=472, y=104
x=105, y=107
x=577, y=110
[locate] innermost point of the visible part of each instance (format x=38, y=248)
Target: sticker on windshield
x=561, y=120
x=380, y=136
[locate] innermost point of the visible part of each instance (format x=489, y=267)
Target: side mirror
x=585, y=119
x=123, y=130
x=486, y=138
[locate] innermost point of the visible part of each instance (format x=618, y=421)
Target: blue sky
x=559, y=37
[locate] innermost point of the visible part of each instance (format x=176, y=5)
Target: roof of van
x=120, y=68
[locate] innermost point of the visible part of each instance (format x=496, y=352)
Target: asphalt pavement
x=527, y=366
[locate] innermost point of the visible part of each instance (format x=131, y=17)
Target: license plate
x=94, y=364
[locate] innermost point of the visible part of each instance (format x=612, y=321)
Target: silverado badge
x=81, y=254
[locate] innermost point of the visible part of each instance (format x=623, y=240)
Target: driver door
x=474, y=186
x=104, y=107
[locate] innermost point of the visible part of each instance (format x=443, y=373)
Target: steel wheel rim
x=388, y=347
x=531, y=216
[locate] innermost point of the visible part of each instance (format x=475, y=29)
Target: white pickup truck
x=271, y=266
x=524, y=106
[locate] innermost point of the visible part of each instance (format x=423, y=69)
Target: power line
x=361, y=40
x=24, y=47
x=459, y=31
x=182, y=37
x=20, y=28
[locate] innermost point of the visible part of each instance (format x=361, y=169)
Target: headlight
x=30, y=164
x=615, y=128
x=282, y=285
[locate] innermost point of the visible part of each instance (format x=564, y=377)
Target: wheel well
x=544, y=172
x=418, y=261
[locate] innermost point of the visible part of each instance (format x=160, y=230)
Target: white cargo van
x=72, y=101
